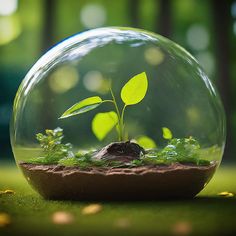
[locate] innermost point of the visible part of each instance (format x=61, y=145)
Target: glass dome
x=123, y=85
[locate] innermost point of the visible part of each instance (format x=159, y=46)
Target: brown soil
x=140, y=183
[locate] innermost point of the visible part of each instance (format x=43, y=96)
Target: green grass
x=206, y=214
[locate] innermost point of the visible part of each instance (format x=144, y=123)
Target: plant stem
x=122, y=122
x=120, y=132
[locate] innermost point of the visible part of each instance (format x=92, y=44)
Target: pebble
x=122, y=223
x=62, y=218
x=92, y=209
x=182, y=228
x=5, y=219
x=7, y=191
x=225, y=194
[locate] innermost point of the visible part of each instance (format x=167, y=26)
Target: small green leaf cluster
x=184, y=150
x=53, y=148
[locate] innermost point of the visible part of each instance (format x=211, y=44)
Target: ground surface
x=207, y=214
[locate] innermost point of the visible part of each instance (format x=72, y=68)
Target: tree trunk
x=48, y=24
x=221, y=21
x=46, y=43
x=133, y=8
x=165, y=27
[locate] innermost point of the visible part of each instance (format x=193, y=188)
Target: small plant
x=132, y=93
x=184, y=150
x=53, y=149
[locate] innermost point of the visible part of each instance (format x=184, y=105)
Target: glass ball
x=135, y=92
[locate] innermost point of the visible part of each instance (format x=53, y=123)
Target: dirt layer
x=140, y=183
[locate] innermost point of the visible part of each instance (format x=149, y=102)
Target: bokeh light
x=93, y=15
x=95, y=82
x=198, y=37
x=10, y=29
x=8, y=7
x=59, y=84
x=154, y=56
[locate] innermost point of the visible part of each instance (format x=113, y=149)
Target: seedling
x=132, y=93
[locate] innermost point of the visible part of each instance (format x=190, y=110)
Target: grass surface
x=207, y=214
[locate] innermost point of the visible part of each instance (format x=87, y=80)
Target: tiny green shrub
x=53, y=148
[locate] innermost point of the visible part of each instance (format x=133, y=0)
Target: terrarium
x=117, y=113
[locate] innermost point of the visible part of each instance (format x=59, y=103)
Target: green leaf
x=103, y=123
x=135, y=89
x=146, y=142
x=82, y=106
x=167, y=133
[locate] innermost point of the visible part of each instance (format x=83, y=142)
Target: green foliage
x=146, y=142
x=132, y=93
x=53, y=149
x=167, y=134
x=82, y=106
x=135, y=89
x=69, y=161
x=185, y=150
x=103, y=123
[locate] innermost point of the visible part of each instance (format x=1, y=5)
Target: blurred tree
x=47, y=42
x=133, y=6
x=165, y=18
x=221, y=19
x=48, y=24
